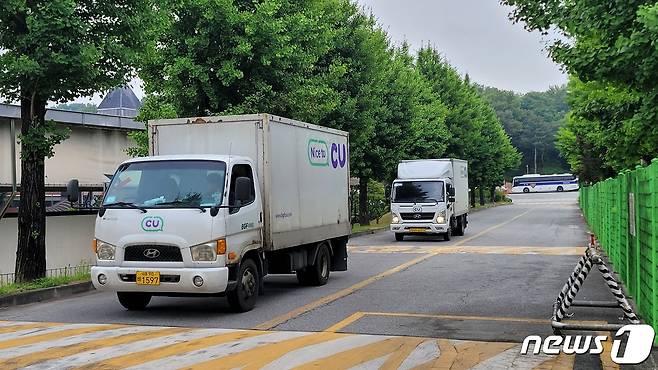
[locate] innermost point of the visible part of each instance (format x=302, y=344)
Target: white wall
x=68, y=241
x=88, y=154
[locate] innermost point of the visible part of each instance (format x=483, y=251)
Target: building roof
x=122, y=101
x=11, y=111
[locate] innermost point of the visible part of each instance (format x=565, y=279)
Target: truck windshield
x=418, y=191
x=167, y=184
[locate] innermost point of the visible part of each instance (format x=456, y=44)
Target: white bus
x=544, y=183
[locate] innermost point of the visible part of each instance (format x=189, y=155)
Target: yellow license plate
x=418, y=230
x=147, y=278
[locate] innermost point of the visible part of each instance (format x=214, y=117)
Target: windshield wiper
x=179, y=202
x=125, y=204
x=426, y=200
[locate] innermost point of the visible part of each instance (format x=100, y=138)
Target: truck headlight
x=395, y=220
x=204, y=252
x=105, y=251
x=441, y=218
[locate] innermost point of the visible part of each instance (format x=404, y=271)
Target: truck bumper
x=419, y=228
x=122, y=279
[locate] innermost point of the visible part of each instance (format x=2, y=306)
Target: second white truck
x=430, y=197
x=222, y=202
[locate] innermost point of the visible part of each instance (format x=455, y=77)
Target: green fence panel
x=623, y=214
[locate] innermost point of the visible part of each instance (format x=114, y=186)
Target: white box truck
x=430, y=196
x=222, y=202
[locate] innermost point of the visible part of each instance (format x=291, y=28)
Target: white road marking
x=38, y=331
x=425, y=352
x=218, y=351
x=512, y=359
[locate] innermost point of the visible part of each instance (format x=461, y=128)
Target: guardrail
x=623, y=213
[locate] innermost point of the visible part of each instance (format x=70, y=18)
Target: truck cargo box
x=303, y=169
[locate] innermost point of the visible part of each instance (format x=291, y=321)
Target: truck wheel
x=134, y=301
x=243, y=297
x=399, y=237
x=448, y=235
x=318, y=273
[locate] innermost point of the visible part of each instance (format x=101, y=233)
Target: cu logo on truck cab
x=417, y=209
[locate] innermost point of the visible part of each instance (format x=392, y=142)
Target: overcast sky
x=474, y=35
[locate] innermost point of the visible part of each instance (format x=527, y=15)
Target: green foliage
x=77, y=107
x=532, y=121
x=39, y=141
x=612, y=57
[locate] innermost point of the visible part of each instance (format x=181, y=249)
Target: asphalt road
x=496, y=283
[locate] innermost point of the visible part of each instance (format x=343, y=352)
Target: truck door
x=244, y=223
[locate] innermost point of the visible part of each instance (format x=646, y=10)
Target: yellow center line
x=22, y=341
x=349, y=320
x=270, y=324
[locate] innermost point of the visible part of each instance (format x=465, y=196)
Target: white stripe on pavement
x=84, y=358
x=424, y=353
x=218, y=351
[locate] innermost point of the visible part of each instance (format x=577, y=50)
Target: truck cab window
x=241, y=170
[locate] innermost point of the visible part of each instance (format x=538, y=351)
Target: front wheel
x=133, y=301
x=461, y=225
x=560, y=189
x=243, y=297
x=448, y=235
x=526, y=190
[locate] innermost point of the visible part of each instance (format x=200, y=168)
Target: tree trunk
x=472, y=197
x=364, y=218
x=481, y=189
x=31, y=250
x=493, y=194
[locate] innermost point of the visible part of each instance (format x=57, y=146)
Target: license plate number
x=147, y=278
x=417, y=230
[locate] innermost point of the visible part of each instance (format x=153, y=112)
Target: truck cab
x=177, y=224
x=427, y=199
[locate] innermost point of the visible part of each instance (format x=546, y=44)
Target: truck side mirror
x=242, y=190
x=451, y=199
x=451, y=191
x=73, y=191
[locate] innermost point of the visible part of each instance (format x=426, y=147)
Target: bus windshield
x=418, y=192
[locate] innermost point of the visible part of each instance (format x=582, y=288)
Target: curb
x=368, y=232
x=39, y=295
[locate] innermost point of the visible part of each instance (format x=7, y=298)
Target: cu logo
x=418, y=209
x=152, y=223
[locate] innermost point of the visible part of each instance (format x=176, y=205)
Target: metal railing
x=10, y=278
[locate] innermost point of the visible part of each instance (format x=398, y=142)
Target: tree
x=56, y=51
x=532, y=121
x=610, y=48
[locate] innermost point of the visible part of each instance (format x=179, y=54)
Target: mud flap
x=339, y=255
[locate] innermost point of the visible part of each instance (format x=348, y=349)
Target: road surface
x=464, y=303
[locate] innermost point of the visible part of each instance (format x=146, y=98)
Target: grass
x=46, y=282
x=490, y=205
x=384, y=221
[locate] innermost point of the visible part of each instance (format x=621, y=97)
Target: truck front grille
x=153, y=253
x=423, y=216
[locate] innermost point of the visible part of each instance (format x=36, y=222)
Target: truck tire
x=318, y=273
x=448, y=235
x=134, y=301
x=399, y=237
x=243, y=297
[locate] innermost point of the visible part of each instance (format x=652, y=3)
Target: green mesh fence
x=623, y=214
